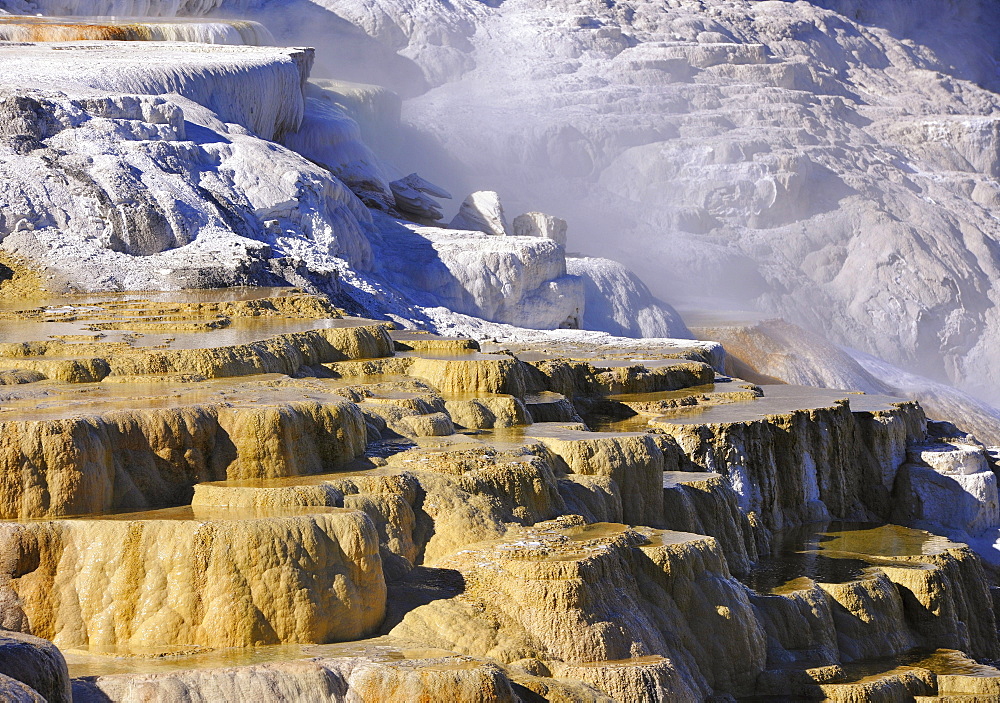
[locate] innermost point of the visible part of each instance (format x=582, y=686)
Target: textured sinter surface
x=160, y=172
x=22, y=28
x=189, y=527
x=200, y=492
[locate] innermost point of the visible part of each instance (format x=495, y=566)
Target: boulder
x=538, y=224
x=482, y=212
x=36, y=663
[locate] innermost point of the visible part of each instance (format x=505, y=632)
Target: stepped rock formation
x=628, y=605
x=555, y=522
x=272, y=493
x=208, y=165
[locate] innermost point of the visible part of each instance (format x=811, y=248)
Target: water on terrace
x=839, y=552
x=47, y=400
x=727, y=402
x=190, y=319
x=195, y=513
x=777, y=400
x=836, y=552
x=104, y=661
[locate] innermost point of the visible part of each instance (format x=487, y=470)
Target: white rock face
x=619, y=303
x=520, y=281
x=957, y=459
x=481, y=212
x=538, y=224
x=256, y=87
x=329, y=137
x=157, y=190
x=134, y=191
x=962, y=504
x=949, y=486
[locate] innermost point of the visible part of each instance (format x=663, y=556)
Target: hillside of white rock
x=830, y=162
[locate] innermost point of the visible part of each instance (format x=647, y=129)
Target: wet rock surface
x=568, y=523
x=248, y=494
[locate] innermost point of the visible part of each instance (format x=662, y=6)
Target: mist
x=830, y=163
x=833, y=166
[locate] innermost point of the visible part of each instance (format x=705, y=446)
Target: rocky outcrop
x=791, y=467
x=121, y=339
x=619, y=303
x=130, y=460
x=37, y=664
x=227, y=579
x=632, y=462
x=948, y=487
x=597, y=377
x=514, y=280
x=706, y=504
x=19, y=692
x=482, y=212
x=538, y=224
x=819, y=162
x=626, y=605
x=489, y=412
x=414, y=196
x=332, y=481
x=117, y=457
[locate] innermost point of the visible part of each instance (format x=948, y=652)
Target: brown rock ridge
x=62, y=462
x=636, y=613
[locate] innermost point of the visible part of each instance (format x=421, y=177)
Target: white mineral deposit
x=497, y=350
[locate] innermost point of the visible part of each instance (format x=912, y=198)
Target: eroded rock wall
x=807, y=465
x=201, y=578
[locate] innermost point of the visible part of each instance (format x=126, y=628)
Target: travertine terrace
x=244, y=494
x=286, y=416
x=40, y=29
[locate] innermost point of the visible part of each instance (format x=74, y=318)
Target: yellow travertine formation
x=202, y=492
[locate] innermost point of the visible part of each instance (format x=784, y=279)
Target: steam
x=772, y=158
x=832, y=163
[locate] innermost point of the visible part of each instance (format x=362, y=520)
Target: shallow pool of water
x=838, y=552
